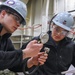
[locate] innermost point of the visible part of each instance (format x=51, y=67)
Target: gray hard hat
x=64, y=20
x=17, y=6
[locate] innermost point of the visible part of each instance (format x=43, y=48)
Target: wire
x=72, y=11
x=32, y=27
x=31, y=73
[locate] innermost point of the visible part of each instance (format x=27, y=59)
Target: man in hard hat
x=62, y=48
x=12, y=15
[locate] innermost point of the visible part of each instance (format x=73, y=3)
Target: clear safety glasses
x=60, y=30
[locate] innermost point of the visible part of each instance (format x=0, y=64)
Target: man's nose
x=18, y=24
x=59, y=33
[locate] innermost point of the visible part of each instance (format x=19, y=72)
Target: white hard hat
x=18, y=6
x=64, y=20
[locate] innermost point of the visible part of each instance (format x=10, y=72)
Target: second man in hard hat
x=62, y=48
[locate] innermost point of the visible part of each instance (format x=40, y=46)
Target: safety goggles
x=16, y=17
x=60, y=30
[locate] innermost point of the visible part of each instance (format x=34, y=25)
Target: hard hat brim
x=62, y=26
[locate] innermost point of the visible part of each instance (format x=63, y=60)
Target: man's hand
x=32, y=49
x=38, y=59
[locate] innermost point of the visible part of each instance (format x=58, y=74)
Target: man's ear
x=3, y=13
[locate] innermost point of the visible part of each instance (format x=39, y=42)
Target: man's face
x=58, y=33
x=10, y=21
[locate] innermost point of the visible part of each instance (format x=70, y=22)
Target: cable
x=27, y=73
x=71, y=11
